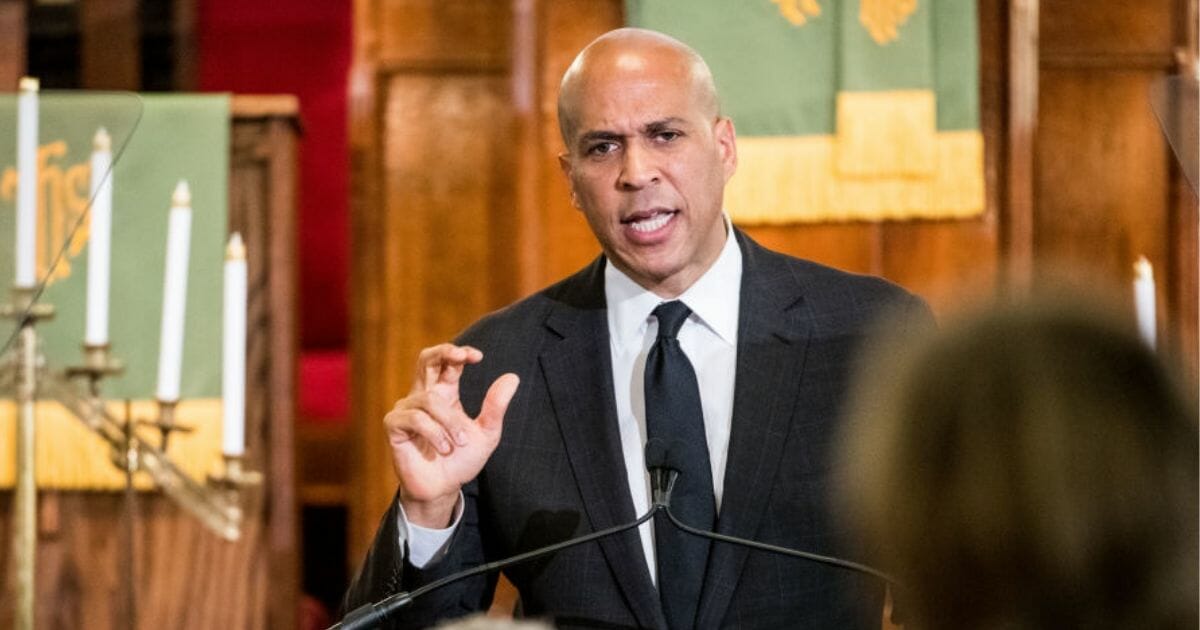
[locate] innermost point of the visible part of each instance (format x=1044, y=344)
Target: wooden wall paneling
x=952, y=264
x=1184, y=294
x=955, y=264
x=440, y=187
x=1105, y=175
x=1184, y=299
x=186, y=55
x=851, y=246
x=525, y=230
x=443, y=33
x=366, y=285
x=527, y=43
x=569, y=25
x=1017, y=226
x=1110, y=188
x=432, y=137
x=12, y=43
x=110, y=45
x=185, y=576
x=1125, y=30
x=441, y=184
x=1102, y=181
x=263, y=177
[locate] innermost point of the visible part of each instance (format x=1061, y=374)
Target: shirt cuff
x=425, y=545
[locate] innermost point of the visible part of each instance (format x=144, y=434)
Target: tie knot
x=670, y=317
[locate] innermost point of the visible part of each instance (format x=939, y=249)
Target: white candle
x=170, y=350
x=27, y=177
x=233, y=370
x=1143, y=300
x=99, y=241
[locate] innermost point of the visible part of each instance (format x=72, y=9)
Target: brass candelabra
x=216, y=502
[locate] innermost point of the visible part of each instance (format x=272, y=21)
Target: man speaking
x=530, y=428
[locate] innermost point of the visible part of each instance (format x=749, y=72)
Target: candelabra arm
x=219, y=511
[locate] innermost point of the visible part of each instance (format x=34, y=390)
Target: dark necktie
x=674, y=415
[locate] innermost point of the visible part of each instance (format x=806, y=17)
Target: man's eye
x=667, y=136
x=602, y=148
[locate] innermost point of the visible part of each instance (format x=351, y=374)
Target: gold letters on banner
x=62, y=202
x=798, y=11
x=881, y=18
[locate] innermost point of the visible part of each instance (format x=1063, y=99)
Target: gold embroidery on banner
x=883, y=18
x=798, y=11
x=62, y=202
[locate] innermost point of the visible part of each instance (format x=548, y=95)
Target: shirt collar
x=713, y=298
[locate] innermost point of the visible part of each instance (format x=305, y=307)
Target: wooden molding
x=1017, y=226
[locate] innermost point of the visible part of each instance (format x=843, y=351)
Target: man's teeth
x=653, y=223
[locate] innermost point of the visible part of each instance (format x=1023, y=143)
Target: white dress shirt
x=708, y=338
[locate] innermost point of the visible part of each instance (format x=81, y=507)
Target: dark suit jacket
x=558, y=471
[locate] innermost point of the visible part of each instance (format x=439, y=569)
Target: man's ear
x=726, y=139
x=564, y=163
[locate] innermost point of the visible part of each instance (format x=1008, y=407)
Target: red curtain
x=300, y=47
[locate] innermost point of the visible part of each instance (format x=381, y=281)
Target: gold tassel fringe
x=793, y=179
x=70, y=457
x=886, y=133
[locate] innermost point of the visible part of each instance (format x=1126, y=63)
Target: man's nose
x=638, y=169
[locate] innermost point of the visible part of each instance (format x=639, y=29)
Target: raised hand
x=436, y=446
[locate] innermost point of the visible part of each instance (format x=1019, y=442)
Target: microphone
x=662, y=481
x=373, y=614
x=662, y=474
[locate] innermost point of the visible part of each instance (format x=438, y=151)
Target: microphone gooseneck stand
x=662, y=482
x=373, y=614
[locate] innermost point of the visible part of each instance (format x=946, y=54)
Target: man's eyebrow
x=659, y=125
x=593, y=136
x=651, y=127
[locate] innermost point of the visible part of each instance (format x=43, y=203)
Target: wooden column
x=12, y=43
x=433, y=204
x=526, y=98
x=186, y=56
x=110, y=46
x=263, y=206
x=1017, y=233
x=1183, y=297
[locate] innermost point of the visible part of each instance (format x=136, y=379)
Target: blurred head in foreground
x=1031, y=468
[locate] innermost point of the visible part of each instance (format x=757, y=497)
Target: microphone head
x=656, y=453
x=664, y=453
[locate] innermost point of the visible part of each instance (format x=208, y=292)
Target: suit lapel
x=772, y=335
x=578, y=373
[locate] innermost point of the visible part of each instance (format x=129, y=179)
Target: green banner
x=845, y=109
x=179, y=137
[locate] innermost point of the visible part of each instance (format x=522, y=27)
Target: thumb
x=495, y=403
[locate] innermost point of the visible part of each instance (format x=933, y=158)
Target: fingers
x=429, y=416
x=495, y=403
x=443, y=364
x=432, y=412
x=415, y=424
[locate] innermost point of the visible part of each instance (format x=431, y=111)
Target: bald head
x=628, y=54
